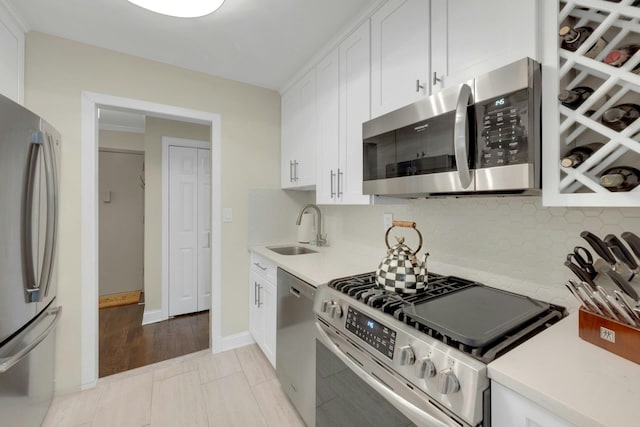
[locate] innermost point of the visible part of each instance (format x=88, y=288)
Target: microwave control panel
x=502, y=130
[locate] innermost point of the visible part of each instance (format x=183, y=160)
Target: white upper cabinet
x=471, y=37
x=343, y=78
x=12, y=54
x=298, y=144
x=328, y=102
x=400, y=54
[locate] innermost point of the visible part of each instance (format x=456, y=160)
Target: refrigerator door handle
x=7, y=362
x=52, y=216
x=31, y=284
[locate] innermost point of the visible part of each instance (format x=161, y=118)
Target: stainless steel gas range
x=383, y=359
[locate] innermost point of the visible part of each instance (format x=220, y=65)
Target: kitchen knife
x=600, y=247
x=576, y=295
x=586, y=297
x=600, y=298
x=633, y=241
x=622, y=283
x=621, y=311
x=621, y=252
x=623, y=301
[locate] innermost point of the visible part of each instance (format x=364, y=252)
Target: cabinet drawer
x=263, y=266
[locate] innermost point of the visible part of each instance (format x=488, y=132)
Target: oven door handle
x=461, y=136
x=408, y=408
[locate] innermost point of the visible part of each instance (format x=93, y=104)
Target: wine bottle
x=577, y=155
x=572, y=39
x=620, y=178
x=573, y=98
x=617, y=57
x=620, y=116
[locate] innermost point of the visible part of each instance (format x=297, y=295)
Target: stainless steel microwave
x=479, y=137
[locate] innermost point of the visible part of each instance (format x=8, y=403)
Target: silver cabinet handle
x=290, y=170
x=255, y=293
x=340, y=174
x=257, y=264
x=333, y=193
x=259, y=294
x=419, y=87
x=391, y=396
x=461, y=136
x=295, y=170
x=436, y=79
x=7, y=362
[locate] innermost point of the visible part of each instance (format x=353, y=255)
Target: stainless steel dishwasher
x=295, y=344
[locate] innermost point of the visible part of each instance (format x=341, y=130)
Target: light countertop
x=578, y=381
x=556, y=369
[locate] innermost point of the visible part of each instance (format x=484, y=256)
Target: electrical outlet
x=388, y=220
x=227, y=215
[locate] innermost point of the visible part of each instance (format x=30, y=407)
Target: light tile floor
x=234, y=388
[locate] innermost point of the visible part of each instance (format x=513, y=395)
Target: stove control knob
x=425, y=368
x=324, y=307
x=447, y=382
x=407, y=357
x=335, y=312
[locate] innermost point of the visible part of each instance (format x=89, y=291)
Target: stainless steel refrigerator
x=29, y=171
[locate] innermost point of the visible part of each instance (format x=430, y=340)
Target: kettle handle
x=406, y=224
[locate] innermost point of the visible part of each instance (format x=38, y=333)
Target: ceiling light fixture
x=180, y=8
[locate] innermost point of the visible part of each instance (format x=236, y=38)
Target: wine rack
x=564, y=128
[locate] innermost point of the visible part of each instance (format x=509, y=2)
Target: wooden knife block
x=596, y=329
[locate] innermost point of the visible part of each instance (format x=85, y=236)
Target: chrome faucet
x=320, y=241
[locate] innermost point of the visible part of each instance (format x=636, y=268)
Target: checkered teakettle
x=400, y=271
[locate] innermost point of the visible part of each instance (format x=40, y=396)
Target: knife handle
x=580, y=273
x=599, y=246
x=622, y=283
x=620, y=251
x=633, y=241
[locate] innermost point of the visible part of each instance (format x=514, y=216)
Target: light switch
x=227, y=215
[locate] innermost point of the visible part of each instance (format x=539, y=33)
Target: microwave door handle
x=461, y=136
x=52, y=213
x=408, y=408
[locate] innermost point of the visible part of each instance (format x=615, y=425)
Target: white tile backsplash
x=511, y=238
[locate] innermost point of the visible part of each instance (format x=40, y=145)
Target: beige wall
x=117, y=140
x=155, y=129
x=58, y=70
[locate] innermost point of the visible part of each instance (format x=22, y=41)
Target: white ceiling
x=262, y=42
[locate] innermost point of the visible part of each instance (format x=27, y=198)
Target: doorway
x=90, y=103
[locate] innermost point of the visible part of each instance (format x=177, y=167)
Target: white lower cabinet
x=510, y=409
x=262, y=305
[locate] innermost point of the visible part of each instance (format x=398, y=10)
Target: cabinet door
x=510, y=409
x=268, y=302
x=298, y=161
x=354, y=110
x=328, y=74
x=470, y=37
x=12, y=54
x=256, y=328
x=399, y=54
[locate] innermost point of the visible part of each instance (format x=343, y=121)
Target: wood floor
x=126, y=344
x=235, y=388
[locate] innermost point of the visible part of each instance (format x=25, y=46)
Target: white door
x=189, y=226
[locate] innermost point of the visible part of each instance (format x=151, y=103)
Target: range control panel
x=502, y=130
x=371, y=331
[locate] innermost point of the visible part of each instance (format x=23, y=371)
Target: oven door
x=425, y=147
x=353, y=389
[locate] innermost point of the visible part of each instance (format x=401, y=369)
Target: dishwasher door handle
x=293, y=291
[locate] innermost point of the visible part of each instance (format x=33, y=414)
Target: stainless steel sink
x=291, y=250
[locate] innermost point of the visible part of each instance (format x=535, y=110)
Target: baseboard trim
x=236, y=340
x=153, y=316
